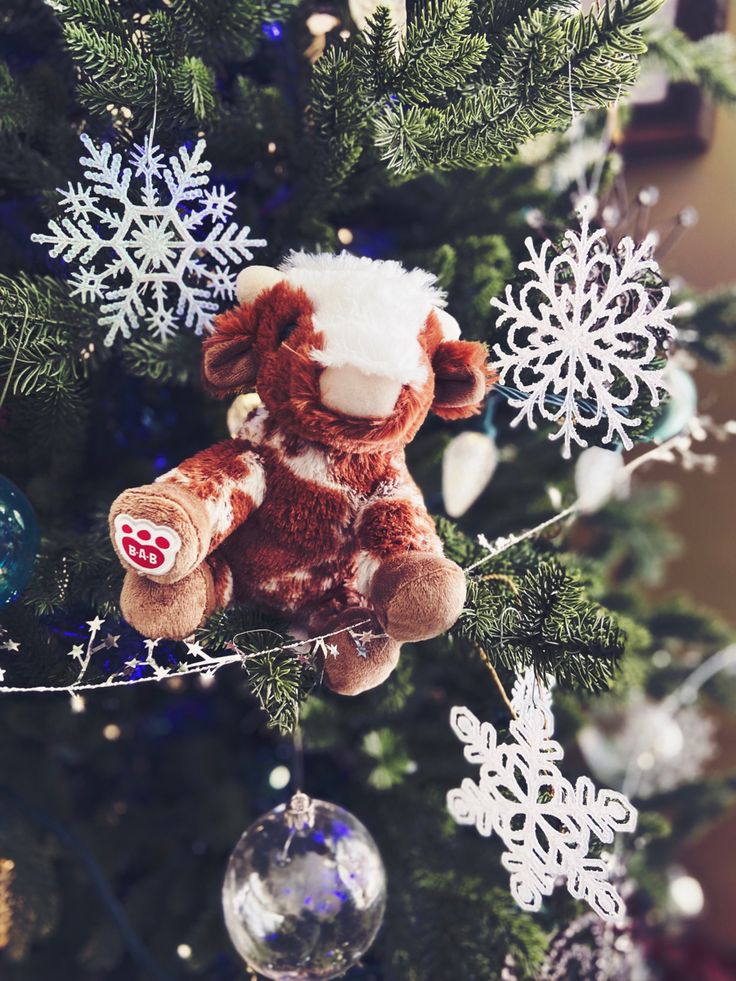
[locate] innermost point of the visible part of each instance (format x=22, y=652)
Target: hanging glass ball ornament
x=304, y=892
x=19, y=540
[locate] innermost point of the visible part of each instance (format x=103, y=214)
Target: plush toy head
x=349, y=352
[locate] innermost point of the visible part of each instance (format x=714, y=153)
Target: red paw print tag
x=147, y=547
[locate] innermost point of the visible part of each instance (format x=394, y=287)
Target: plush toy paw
x=359, y=660
x=418, y=596
x=172, y=610
x=160, y=530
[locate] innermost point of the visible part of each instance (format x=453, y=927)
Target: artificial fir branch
x=43, y=336
x=709, y=329
x=548, y=624
x=540, y=68
x=709, y=62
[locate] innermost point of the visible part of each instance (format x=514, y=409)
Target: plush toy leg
x=360, y=660
x=173, y=610
x=418, y=596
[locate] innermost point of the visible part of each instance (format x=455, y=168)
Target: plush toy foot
x=418, y=596
x=173, y=610
x=361, y=660
x=160, y=530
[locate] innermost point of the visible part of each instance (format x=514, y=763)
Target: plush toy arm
x=416, y=592
x=164, y=530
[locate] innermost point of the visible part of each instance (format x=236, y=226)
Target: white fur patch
x=254, y=426
x=365, y=566
x=312, y=464
x=370, y=313
x=255, y=482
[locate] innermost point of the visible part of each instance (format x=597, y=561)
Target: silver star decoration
x=365, y=636
x=195, y=649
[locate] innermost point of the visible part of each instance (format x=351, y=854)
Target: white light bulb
x=686, y=895
x=320, y=23
x=279, y=777
x=468, y=463
x=598, y=476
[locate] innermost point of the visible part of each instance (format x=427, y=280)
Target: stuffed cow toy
x=310, y=512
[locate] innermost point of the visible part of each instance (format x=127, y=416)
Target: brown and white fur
x=310, y=511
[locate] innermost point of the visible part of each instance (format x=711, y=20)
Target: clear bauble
x=304, y=892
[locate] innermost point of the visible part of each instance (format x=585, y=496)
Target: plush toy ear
x=229, y=364
x=462, y=377
x=254, y=280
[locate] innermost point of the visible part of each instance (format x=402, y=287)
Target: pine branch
x=43, y=336
x=126, y=62
x=501, y=15
x=455, y=100
x=709, y=330
x=545, y=622
x=76, y=571
x=438, y=54
x=709, y=62
x=280, y=680
x=218, y=30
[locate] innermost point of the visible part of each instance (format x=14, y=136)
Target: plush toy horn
x=254, y=280
x=449, y=326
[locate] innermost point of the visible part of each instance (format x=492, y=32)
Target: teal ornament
x=19, y=541
x=681, y=407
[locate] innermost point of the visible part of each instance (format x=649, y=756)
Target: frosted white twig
x=153, y=243
x=583, y=336
x=663, y=452
x=547, y=824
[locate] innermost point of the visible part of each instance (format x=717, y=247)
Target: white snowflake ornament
x=584, y=331
x=546, y=823
x=153, y=242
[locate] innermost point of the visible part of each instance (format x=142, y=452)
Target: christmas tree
x=148, y=152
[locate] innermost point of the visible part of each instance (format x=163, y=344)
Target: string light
x=184, y=951
x=111, y=732
x=321, y=23
x=279, y=777
x=344, y=236
x=686, y=895
x=7, y=870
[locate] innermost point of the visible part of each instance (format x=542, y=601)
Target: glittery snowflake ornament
x=546, y=823
x=584, y=333
x=153, y=241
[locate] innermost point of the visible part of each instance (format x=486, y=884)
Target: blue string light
x=274, y=31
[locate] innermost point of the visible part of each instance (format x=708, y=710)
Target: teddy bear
x=310, y=511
